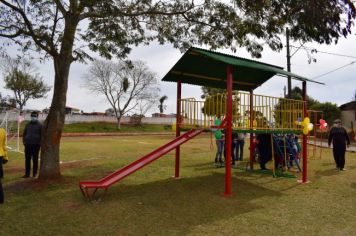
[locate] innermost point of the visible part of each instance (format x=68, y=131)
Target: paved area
x=325, y=145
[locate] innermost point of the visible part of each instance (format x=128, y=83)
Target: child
x=220, y=142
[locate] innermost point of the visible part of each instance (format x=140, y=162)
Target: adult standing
x=340, y=139
x=32, y=142
x=234, y=147
x=264, y=148
x=3, y=155
x=240, y=145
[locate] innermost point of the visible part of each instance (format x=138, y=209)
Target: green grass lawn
x=150, y=202
x=112, y=127
x=105, y=127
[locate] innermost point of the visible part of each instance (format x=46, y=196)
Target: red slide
x=109, y=180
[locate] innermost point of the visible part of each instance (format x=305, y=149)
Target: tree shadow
x=350, y=167
x=330, y=172
x=202, y=166
x=328, y=164
x=187, y=202
x=37, y=184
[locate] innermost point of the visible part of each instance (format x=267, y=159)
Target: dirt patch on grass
x=13, y=170
x=29, y=183
x=37, y=184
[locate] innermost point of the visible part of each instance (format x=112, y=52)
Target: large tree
x=123, y=84
x=111, y=27
x=297, y=94
x=25, y=86
x=22, y=78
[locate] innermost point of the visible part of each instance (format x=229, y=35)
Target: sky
x=339, y=88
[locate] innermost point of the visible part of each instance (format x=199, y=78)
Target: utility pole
x=288, y=65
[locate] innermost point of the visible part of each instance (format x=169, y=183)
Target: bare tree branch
x=108, y=79
x=37, y=38
x=61, y=7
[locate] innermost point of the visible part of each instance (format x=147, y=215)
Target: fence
x=78, y=118
x=268, y=113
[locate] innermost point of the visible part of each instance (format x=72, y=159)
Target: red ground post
x=178, y=122
x=251, y=127
x=305, y=145
x=228, y=135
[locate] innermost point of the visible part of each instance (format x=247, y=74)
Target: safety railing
x=266, y=113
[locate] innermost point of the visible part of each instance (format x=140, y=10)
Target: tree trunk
x=118, y=126
x=53, y=125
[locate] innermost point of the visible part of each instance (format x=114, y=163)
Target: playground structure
x=242, y=111
x=269, y=114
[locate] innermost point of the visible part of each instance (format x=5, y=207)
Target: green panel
x=271, y=131
x=207, y=68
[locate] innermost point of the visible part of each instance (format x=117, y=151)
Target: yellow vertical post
x=285, y=151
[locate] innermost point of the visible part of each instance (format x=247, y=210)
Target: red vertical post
x=228, y=135
x=251, y=127
x=178, y=122
x=305, y=137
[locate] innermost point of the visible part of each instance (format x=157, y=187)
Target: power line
x=317, y=51
x=334, y=70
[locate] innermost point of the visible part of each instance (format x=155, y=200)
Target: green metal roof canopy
x=207, y=68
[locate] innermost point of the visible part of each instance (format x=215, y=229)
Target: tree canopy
x=112, y=27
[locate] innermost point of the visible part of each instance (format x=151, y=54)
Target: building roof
x=348, y=106
x=207, y=68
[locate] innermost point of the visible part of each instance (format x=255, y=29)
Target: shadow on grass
x=353, y=185
x=350, y=167
x=187, y=202
x=328, y=164
x=168, y=206
x=202, y=166
x=330, y=172
x=31, y=184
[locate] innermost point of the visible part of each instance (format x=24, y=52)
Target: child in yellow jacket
x=3, y=159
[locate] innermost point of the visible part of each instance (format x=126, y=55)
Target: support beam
x=178, y=123
x=288, y=65
x=228, y=134
x=251, y=127
x=305, y=137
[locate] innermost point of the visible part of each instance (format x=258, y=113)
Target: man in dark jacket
x=265, y=149
x=338, y=135
x=32, y=142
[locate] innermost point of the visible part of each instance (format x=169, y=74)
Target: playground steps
x=111, y=179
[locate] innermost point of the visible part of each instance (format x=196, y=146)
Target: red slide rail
x=111, y=179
